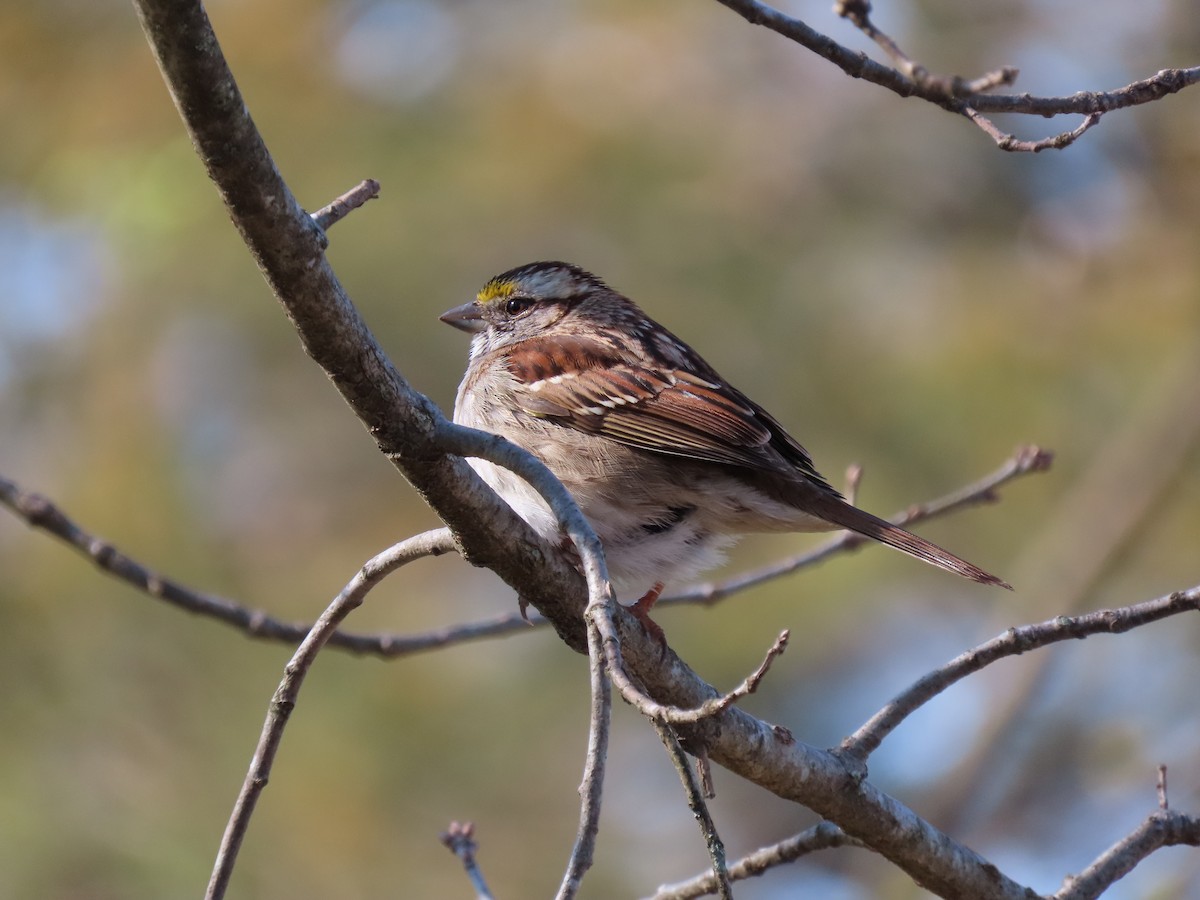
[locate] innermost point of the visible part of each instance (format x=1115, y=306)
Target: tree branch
x=460, y=839
x=328, y=216
x=288, y=247
x=712, y=707
x=695, y=799
x=1025, y=460
x=284, y=699
x=1006, y=141
x=591, y=789
x=42, y=513
x=1110, y=505
x=859, y=13
x=957, y=95
x=1013, y=642
x=1162, y=828
x=824, y=836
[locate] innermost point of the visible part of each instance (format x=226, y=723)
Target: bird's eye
x=516, y=305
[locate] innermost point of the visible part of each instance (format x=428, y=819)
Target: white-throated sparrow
x=668, y=461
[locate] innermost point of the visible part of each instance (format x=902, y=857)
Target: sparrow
x=667, y=460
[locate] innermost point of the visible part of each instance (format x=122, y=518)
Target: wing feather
x=583, y=384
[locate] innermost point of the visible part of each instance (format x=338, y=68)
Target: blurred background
x=900, y=293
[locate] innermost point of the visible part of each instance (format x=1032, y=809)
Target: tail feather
x=847, y=516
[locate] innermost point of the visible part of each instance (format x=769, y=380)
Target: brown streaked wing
x=586, y=385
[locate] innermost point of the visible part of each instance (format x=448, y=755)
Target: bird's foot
x=640, y=610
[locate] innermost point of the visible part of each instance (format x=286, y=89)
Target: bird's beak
x=467, y=317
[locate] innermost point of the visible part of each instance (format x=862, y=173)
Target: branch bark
x=1013, y=642
x=965, y=97
x=43, y=513
x=824, y=836
x=289, y=249
x=284, y=699
x=459, y=839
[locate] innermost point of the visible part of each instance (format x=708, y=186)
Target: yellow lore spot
x=494, y=289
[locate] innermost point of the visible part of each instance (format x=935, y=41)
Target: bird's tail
x=847, y=516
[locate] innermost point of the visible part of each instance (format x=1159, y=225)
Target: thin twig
x=601, y=617
x=42, y=513
x=1026, y=460
x=695, y=799
x=1111, y=505
x=1162, y=828
x=956, y=94
x=1006, y=141
x=470, y=442
x=1162, y=788
x=460, y=838
x=859, y=13
x=718, y=705
x=328, y=216
x=591, y=789
x=824, y=836
x=854, y=474
x=704, y=774
x=1013, y=642
x=284, y=699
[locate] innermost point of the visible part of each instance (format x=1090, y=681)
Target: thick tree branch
x=288, y=247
